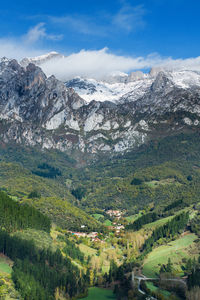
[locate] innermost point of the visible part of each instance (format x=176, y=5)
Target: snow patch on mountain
x=134, y=87
x=36, y=110
x=185, y=79
x=91, y=89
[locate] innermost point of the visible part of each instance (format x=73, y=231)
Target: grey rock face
x=81, y=84
x=155, y=70
x=36, y=110
x=133, y=76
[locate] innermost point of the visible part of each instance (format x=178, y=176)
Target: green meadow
x=97, y=216
x=175, y=250
x=107, y=223
x=4, y=266
x=154, y=288
x=133, y=218
x=157, y=223
x=99, y=294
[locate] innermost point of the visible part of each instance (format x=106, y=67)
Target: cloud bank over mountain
x=99, y=63
x=89, y=63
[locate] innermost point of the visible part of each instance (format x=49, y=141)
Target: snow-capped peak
x=39, y=60
x=91, y=89
x=133, y=87
x=4, y=59
x=45, y=56
x=118, y=86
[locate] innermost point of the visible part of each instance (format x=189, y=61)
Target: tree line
x=73, y=251
x=47, y=171
x=145, y=219
x=39, y=274
x=193, y=268
x=15, y=216
x=168, y=230
x=175, y=204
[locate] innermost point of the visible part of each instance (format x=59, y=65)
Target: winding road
x=142, y=277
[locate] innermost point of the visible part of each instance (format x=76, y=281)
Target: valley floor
x=95, y=293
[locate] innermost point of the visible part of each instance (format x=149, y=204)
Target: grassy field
x=107, y=223
x=157, y=223
x=133, y=218
x=101, y=259
x=156, y=183
x=41, y=238
x=162, y=221
x=7, y=288
x=97, y=216
x=5, y=268
x=175, y=250
x=154, y=288
x=99, y=294
x=87, y=250
x=5, y=265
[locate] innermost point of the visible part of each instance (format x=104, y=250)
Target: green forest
x=68, y=225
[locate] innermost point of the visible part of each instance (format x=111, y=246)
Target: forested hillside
x=162, y=171
x=92, y=222
x=37, y=273
x=15, y=216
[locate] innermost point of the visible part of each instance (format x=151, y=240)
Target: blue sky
x=167, y=28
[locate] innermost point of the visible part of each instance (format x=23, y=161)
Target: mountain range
x=115, y=114
x=86, y=161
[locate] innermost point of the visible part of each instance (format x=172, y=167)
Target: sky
x=113, y=34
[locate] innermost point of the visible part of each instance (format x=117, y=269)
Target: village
x=116, y=227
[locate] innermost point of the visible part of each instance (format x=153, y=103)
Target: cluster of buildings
x=114, y=213
x=118, y=228
x=117, y=214
x=92, y=235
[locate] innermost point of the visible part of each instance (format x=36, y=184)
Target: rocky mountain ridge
x=45, y=112
x=133, y=88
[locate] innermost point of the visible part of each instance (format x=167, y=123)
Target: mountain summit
x=92, y=116
x=39, y=60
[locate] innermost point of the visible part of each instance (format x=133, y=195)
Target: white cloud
x=83, y=24
x=97, y=64
x=26, y=45
x=130, y=18
x=35, y=33
x=192, y=63
x=16, y=48
x=39, y=32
